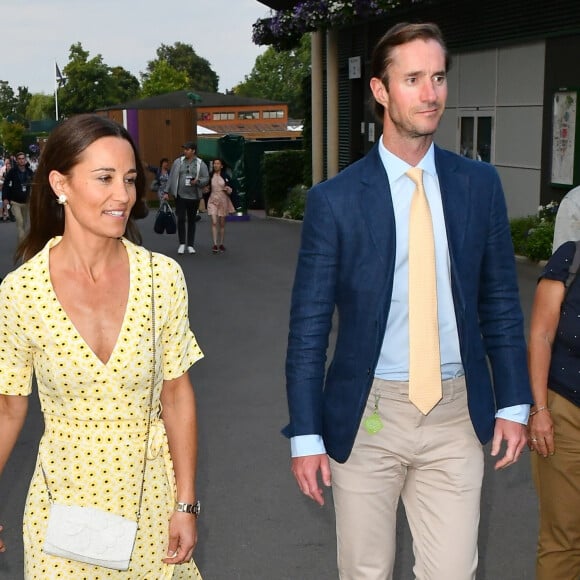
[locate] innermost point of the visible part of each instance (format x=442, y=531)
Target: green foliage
x=278, y=76
x=182, y=58
x=125, y=86
x=520, y=228
x=296, y=203
x=162, y=79
x=22, y=102
x=532, y=236
x=7, y=100
x=11, y=135
x=92, y=85
x=40, y=107
x=539, y=243
x=281, y=170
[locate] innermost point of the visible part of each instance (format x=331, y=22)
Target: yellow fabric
x=92, y=449
x=424, y=356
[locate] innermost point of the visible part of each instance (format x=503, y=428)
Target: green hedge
x=532, y=236
x=281, y=171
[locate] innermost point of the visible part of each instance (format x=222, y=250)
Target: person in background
x=5, y=203
x=161, y=176
x=187, y=179
x=567, y=226
x=16, y=191
x=408, y=400
x=85, y=327
x=554, y=426
x=219, y=205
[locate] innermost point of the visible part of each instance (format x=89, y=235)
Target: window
x=244, y=115
x=475, y=139
x=273, y=114
x=223, y=116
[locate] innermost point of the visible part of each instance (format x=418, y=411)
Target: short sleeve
x=559, y=264
x=180, y=348
x=16, y=352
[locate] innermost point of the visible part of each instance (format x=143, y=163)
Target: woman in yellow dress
x=78, y=314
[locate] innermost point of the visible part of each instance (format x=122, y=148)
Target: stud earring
x=61, y=200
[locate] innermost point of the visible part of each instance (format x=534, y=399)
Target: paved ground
x=255, y=524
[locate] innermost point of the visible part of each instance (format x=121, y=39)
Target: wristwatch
x=189, y=508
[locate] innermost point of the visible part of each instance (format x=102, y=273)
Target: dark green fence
x=244, y=160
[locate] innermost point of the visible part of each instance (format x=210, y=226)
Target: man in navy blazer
x=352, y=421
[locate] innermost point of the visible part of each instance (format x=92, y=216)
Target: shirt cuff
x=517, y=413
x=302, y=445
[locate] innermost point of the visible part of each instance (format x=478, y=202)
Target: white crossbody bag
x=92, y=535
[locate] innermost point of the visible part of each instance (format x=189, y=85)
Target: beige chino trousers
x=434, y=463
x=20, y=213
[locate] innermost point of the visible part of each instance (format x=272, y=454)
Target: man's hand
x=515, y=436
x=2, y=545
x=305, y=470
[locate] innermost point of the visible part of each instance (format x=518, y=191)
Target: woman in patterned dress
x=78, y=313
x=219, y=204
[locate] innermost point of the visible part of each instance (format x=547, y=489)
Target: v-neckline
x=75, y=330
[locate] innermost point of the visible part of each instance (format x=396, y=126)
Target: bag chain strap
x=150, y=408
x=152, y=383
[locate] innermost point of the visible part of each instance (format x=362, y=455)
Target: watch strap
x=188, y=508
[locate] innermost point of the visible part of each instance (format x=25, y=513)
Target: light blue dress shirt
x=393, y=363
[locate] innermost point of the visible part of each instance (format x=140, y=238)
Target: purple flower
x=285, y=27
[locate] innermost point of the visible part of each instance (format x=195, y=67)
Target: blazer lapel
x=377, y=207
x=455, y=197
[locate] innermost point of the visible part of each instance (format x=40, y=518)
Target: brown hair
x=62, y=153
x=399, y=34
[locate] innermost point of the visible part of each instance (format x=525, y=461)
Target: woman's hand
x=182, y=538
x=2, y=544
x=541, y=433
x=228, y=189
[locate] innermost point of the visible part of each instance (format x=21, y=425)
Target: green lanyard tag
x=373, y=423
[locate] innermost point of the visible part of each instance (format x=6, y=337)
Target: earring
x=61, y=200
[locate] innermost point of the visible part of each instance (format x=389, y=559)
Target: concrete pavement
x=255, y=524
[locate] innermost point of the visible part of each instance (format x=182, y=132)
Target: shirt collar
x=396, y=167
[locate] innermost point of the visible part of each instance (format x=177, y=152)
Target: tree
x=40, y=107
x=22, y=102
x=7, y=100
x=183, y=58
x=11, y=135
x=162, y=79
x=278, y=75
x=125, y=85
x=92, y=85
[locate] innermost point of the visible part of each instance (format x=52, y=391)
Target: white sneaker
x=190, y=250
x=181, y=249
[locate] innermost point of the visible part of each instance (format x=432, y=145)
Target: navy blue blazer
x=346, y=263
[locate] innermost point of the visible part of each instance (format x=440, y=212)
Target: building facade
x=513, y=91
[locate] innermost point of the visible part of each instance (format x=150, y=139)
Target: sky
x=126, y=33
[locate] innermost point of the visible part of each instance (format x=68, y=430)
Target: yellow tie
x=424, y=357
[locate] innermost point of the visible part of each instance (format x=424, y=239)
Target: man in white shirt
x=355, y=422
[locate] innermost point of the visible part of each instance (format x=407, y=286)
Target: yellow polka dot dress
x=92, y=450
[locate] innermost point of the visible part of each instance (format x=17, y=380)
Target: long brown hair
x=399, y=34
x=62, y=153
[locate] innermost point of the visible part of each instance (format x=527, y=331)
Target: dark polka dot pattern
x=93, y=445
